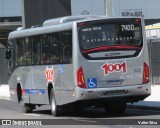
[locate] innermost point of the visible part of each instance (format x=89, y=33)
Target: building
x=153, y=30
x=10, y=19
x=87, y=7
x=148, y=9
x=35, y=12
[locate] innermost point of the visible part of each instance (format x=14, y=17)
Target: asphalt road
x=87, y=117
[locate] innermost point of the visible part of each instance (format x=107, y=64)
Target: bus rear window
x=110, y=34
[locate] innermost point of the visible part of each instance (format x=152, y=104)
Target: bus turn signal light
x=80, y=78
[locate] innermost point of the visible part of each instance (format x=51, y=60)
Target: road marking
x=83, y=120
x=31, y=115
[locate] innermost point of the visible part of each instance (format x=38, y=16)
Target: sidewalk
x=4, y=92
x=151, y=102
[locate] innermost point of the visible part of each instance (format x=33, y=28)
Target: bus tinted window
x=55, y=48
x=45, y=41
x=110, y=34
x=66, y=46
x=23, y=52
x=36, y=50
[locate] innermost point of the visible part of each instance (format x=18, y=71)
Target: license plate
x=114, y=82
x=114, y=92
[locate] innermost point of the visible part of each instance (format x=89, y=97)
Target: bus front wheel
x=54, y=107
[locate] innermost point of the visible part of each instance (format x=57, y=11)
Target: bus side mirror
x=8, y=54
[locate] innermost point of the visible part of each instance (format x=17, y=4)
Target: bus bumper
x=139, y=91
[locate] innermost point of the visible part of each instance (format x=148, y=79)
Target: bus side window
x=66, y=39
x=27, y=52
x=20, y=48
x=67, y=53
x=55, y=49
x=36, y=50
x=45, y=46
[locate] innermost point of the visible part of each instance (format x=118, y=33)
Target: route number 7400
x=127, y=27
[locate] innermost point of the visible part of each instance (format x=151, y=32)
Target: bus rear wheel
x=28, y=108
x=54, y=107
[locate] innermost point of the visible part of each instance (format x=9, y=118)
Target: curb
x=5, y=98
x=140, y=107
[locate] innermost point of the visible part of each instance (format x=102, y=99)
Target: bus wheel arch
x=19, y=92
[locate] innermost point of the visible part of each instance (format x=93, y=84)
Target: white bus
x=79, y=61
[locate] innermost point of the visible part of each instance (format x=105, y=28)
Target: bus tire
x=19, y=93
x=27, y=108
x=54, y=107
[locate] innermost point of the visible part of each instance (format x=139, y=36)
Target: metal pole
x=23, y=14
x=109, y=11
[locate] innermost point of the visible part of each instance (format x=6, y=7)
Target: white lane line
x=31, y=115
x=83, y=120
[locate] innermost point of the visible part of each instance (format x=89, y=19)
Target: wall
x=148, y=8
x=86, y=7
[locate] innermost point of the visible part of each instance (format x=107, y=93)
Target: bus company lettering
x=49, y=74
x=117, y=67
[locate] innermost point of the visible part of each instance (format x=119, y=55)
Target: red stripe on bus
x=110, y=48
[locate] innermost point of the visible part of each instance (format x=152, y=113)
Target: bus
x=79, y=61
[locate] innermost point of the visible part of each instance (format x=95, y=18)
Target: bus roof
x=56, y=24
x=51, y=25
x=39, y=30
x=68, y=19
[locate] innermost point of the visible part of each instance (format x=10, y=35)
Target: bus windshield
x=111, y=35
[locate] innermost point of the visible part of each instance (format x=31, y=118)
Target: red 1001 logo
x=117, y=67
x=49, y=74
